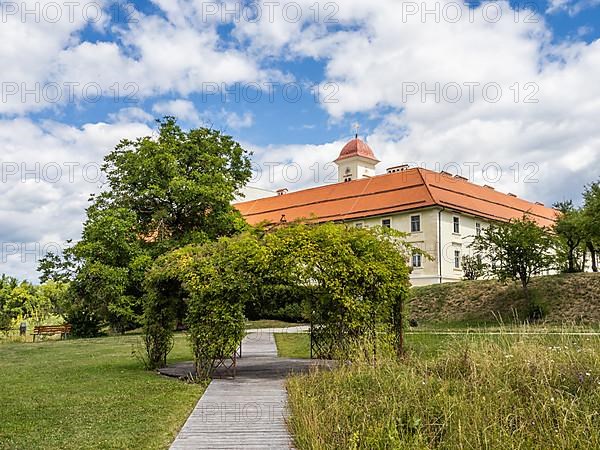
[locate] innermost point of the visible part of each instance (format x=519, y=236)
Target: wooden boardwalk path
x=248, y=412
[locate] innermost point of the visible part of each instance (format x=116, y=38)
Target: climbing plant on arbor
x=354, y=282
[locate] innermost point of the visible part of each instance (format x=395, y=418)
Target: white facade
x=436, y=235
x=355, y=168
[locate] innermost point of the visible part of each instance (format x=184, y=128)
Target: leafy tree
x=23, y=300
x=591, y=213
x=473, y=267
x=570, y=227
x=163, y=192
x=180, y=184
x=7, y=311
x=517, y=250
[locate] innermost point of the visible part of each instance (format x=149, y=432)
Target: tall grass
x=531, y=392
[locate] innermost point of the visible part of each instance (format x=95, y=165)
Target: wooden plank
x=248, y=412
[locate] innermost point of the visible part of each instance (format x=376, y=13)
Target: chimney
x=394, y=169
x=282, y=191
x=539, y=203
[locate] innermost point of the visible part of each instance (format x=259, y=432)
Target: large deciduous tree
x=163, y=191
x=179, y=185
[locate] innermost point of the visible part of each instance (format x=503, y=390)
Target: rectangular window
x=416, y=260
x=456, y=222
x=415, y=224
x=457, y=259
x=359, y=225
x=477, y=228
x=386, y=223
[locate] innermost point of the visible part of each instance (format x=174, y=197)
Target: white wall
x=433, y=222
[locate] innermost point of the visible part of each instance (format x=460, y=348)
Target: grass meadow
x=89, y=393
x=456, y=391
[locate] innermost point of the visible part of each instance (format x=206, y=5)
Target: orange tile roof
x=392, y=193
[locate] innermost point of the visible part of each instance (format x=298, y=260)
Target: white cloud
x=571, y=7
x=150, y=56
x=182, y=109
x=48, y=172
x=374, y=54
x=131, y=114
x=236, y=121
x=377, y=53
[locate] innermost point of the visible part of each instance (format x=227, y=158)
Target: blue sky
x=420, y=78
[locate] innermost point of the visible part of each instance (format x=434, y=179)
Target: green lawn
x=293, y=345
x=89, y=393
x=268, y=323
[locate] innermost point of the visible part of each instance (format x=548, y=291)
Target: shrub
x=84, y=323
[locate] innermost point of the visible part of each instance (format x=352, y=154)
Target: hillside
x=573, y=298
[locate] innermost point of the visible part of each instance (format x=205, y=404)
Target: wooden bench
x=47, y=330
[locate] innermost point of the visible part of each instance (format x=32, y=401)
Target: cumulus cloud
x=468, y=88
x=236, y=121
x=182, y=109
x=533, y=106
x=48, y=172
x=571, y=7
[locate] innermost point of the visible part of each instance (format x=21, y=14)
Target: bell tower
x=356, y=160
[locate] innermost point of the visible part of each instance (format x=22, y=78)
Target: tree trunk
x=571, y=259
x=525, y=288
x=592, y=250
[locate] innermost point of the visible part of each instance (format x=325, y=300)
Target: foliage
x=354, y=280
x=213, y=281
x=163, y=191
x=570, y=228
x=25, y=301
x=473, y=267
x=517, y=250
x=163, y=303
x=357, y=280
x=497, y=392
x=179, y=185
x=591, y=213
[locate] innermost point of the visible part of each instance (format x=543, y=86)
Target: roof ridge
x=314, y=202
x=433, y=199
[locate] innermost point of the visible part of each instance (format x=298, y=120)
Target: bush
x=84, y=323
x=294, y=312
x=5, y=322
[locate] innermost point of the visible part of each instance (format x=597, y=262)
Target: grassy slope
x=89, y=393
x=568, y=298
